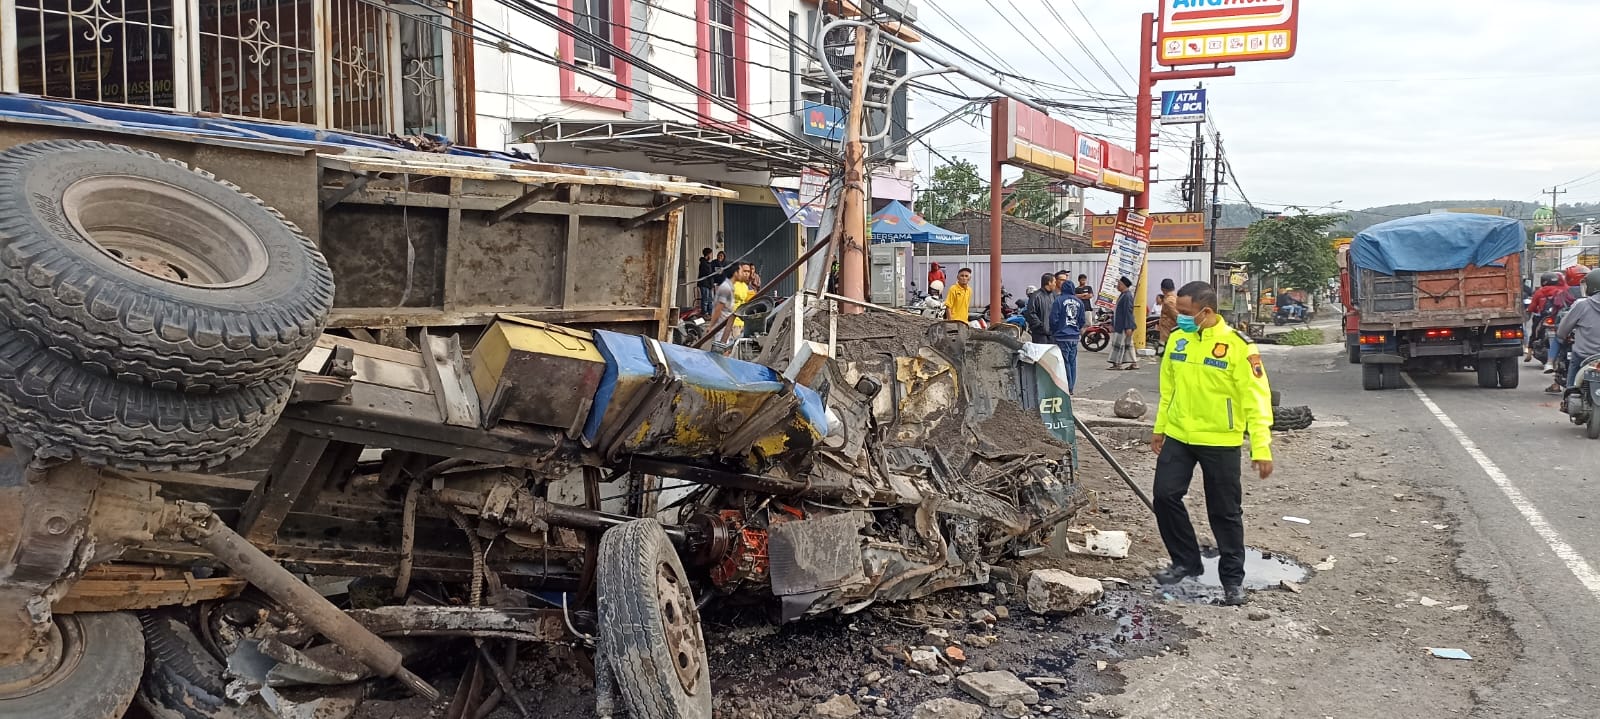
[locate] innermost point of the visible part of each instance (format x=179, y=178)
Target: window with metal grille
x=724, y=52
x=98, y=50
x=359, y=58
x=423, y=54
x=257, y=58
x=593, y=17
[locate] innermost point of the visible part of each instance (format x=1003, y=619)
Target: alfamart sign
x=1192, y=32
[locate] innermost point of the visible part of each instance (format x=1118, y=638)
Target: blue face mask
x=1187, y=323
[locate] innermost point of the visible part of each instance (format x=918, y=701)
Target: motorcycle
x=1097, y=337
x=690, y=328
x=1288, y=313
x=1582, y=402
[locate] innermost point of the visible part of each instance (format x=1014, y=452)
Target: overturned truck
x=214, y=505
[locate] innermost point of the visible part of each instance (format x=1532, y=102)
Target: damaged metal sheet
x=527, y=625
x=814, y=554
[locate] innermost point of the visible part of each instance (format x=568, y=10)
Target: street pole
x=997, y=121
x=1148, y=77
x=1142, y=139
x=1555, y=225
x=853, y=198
x=1217, y=173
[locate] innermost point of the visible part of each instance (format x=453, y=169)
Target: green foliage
x=1293, y=248
x=1302, y=337
x=954, y=188
x=1032, y=200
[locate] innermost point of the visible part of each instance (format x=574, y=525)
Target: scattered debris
x=925, y=659
x=1258, y=615
x=946, y=708
x=1015, y=709
x=1323, y=630
x=1441, y=526
x=1429, y=602
x=839, y=706
x=1324, y=565
x=1100, y=543
x=955, y=655
x=1131, y=405
x=996, y=688
x=1391, y=560
x=1296, y=520
x=1456, y=608
x=1055, y=591
x=1100, y=665
x=1289, y=586
x=1356, y=535
x=1046, y=681
x=1450, y=654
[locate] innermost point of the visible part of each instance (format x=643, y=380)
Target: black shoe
x=1174, y=574
x=1234, y=595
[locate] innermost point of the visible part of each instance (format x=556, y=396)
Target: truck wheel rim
x=682, y=624
x=164, y=231
x=52, y=661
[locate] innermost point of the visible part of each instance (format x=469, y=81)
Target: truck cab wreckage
x=214, y=504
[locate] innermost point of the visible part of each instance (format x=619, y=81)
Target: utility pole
x=853, y=196
x=1218, y=172
x=1555, y=225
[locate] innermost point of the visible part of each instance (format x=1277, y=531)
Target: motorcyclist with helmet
x=1551, y=297
x=1582, y=325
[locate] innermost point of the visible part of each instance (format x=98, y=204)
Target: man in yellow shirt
x=958, y=302
x=1213, y=390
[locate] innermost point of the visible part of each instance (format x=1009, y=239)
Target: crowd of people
x=722, y=287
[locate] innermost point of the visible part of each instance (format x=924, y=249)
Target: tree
x=1033, y=200
x=1293, y=248
x=954, y=189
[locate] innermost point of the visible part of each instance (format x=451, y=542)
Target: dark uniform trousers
x=1224, y=499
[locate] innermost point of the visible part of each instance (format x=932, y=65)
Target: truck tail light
x=1442, y=334
x=1510, y=334
x=1377, y=339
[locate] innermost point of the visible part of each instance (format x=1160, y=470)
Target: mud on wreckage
x=210, y=506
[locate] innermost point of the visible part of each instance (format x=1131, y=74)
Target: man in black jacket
x=1037, y=312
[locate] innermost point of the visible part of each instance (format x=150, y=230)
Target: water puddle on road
x=1262, y=571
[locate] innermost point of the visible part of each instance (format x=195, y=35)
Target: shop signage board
x=1194, y=32
x=1130, y=242
x=1183, y=107
x=1167, y=229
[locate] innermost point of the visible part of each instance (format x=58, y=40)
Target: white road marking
x=1575, y=562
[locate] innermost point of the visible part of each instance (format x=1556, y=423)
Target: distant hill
x=1358, y=220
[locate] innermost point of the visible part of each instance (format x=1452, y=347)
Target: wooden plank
x=452, y=236
x=373, y=349
x=657, y=213
x=532, y=195
x=486, y=203
x=669, y=272
x=574, y=240
x=269, y=503
x=488, y=170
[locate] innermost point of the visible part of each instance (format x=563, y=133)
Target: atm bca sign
x=1183, y=107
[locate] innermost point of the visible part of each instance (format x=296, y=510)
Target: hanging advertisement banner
x=1193, y=32
x=1130, y=242
x=813, y=195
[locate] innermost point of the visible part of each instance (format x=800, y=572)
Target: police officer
x=1213, y=391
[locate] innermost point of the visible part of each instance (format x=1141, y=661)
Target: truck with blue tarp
x=1438, y=293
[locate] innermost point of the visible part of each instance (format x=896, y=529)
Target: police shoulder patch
x=1243, y=336
x=1255, y=365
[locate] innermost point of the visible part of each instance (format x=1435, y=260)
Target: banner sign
x=813, y=196
x=1168, y=229
x=824, y=121
x=1555, y=239
x=1091, y=159
x=1193, y=32
x=1183, y=107
x=1130, y=242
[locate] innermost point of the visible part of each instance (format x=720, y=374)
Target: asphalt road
x=1521, y=480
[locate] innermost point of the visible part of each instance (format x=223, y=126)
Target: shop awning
x=897, y=223
x=682, y=144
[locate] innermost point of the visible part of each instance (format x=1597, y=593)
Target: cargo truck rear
x=1438, y=293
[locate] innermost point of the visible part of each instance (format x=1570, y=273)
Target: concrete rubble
x=946, y=708
x=997, y=688
x=1056, y=591
x=1131, y=405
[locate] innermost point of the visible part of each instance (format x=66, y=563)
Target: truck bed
x=1445, y=298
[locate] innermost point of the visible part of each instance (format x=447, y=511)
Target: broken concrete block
x=1054, y=591
x=1131, y=405
x=925, y=659
x=946, y=708
x=1101, y=543
x=936, y=637
x=1015, y=710
x=995, y=689
x=839, y=706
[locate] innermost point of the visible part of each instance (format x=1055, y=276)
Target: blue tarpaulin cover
x=897, y=223
x=1444, y=241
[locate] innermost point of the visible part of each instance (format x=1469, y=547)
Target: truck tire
x=1372, y=376
x=1488, y=374
x=88, y=669
x=1353, y=348
x=1510, y=372
x=649, y=626
x=1289, y=418
x=62, y=411
x=183, y=679
x=146, y=270
x=1391, y=377
x=1593, y=430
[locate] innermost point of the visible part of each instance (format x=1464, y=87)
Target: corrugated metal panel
x=764, y=232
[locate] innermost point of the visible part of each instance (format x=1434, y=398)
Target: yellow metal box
x=537, y=373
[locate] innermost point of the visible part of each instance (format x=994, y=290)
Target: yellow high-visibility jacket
x=1214, y=389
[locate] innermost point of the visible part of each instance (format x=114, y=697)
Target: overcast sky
x=1386, y=101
